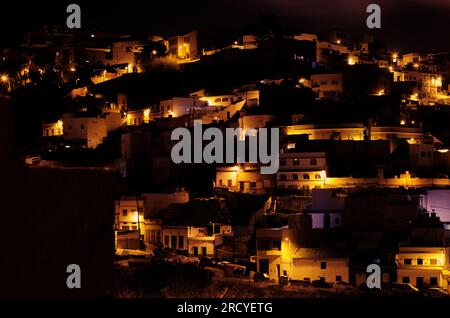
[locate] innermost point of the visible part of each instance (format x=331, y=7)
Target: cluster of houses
x=370, y=189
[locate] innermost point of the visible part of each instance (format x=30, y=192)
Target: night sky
x=406, y=24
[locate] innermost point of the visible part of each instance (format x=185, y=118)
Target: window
x=423, y=154
x=264, y=266
x=173, y=242
x=282, y=177
x=296, y=162
x=306, y=176
x=264, y=244
x=323, y=265
x=125, y=212
x=405, y=279
x=158, y=236
x=204, y=251
x=420, y=261
x=282, y=162
x=294, y=177
x=338, y=278
x=230, y=182
x=433, y=261
x=166, y=240
x=220, y=182
x=253, y=185
x=408, y=261
x=313, y=162
x=82, y=126
x=180, y=242
x=433, y=281
x=317, y=176
x=276, y=245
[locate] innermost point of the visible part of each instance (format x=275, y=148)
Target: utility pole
x=138, y=219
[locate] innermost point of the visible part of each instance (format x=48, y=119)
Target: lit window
x=306, y=176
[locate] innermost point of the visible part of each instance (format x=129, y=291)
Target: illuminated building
x=328, y=86
x=52, y=129
x=424, y=266
x=89, y=128
x=194, y=228
x=285, y=252
x=303, y=171
x=245, y=178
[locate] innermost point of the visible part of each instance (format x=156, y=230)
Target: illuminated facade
x=246, y=179
x=304, y=171
x=424, y=266
x=284, y=252
x=328, y=86
x=90, y=129
x=197, y=241
x=53, y=129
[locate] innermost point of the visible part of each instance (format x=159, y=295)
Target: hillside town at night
x=362, y=164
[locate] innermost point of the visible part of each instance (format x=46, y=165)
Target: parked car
x=283, y=280
x=240, y=271
x=321, y=284
x=261, y=277
x=343, y=285
x=222, y=264
x=403, y=288
x=300, y=283
x=435, y=293
x=206, y=262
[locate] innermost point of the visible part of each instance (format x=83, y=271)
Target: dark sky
x=406, y=24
